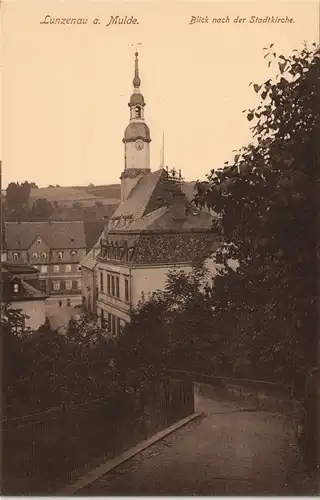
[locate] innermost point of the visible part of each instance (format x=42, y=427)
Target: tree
x=173, y=328
x=12, y=357
x=268, y=201
x=42, y=208
x=17, y=195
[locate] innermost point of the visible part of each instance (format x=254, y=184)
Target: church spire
x=136, y=139
x=136, y=80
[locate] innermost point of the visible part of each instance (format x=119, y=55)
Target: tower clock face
x=139, y=144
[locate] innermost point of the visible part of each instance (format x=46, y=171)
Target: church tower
x=136, y=139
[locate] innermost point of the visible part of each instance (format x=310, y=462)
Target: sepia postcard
x=160, y=175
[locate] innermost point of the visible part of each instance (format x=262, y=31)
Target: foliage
x=17, y=195
x=172, y=328
x=48, y=368
x=268, y=201
x=42, y=209
x=12, y=359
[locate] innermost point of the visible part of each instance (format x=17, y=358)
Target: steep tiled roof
x=157, y=203
x=27, y=279
x=17, y=268
x=30, y=291
x=139, y=197
x=56, y=234
x=165, y=219
x=89, y=261
x=189, y=189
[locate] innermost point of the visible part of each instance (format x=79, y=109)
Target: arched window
x=138, y=112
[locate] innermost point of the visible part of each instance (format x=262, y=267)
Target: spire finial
x=136, y=80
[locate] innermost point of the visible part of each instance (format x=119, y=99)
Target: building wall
x=35, y=309
x=89, y=285
x=141, y=281
x=59, y=270
x=112, y=296
x=145, y=281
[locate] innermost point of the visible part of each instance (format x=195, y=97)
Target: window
x=79, y=284
x=44, y=269
x=79, y=268
x=34, y=255
x=112, y=285
x=73, y=252
x=44, y=255
x=15, y=255
x=68, y=268
x=60, y=255
x=113, y=324
x=68, y=285
x=15, y=287
x=117, y=287
x=39, y=241
x=56, y=285
x=101, y=282
x=126, y=290
x=108, y=284
x=103, y=321
x=56, y=269
x=138, y=112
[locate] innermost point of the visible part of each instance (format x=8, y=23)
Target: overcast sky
x=66, y=87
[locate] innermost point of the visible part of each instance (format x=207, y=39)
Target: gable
x=39, y=245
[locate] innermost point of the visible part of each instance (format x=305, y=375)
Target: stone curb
x=107, y=466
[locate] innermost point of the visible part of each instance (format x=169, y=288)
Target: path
x=227, y=451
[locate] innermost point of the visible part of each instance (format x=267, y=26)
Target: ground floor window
x=56, y=285
x=103, y=321
x=113, y=324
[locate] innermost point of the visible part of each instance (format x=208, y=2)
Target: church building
x=156, y=227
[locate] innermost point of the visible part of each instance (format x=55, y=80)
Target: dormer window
x=35, y=255
x=73, y=252
x=60, y=255
x=39, y=241
x=15, y=255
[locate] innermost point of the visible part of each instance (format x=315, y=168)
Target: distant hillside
x=84, y=196
x=105, y=191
